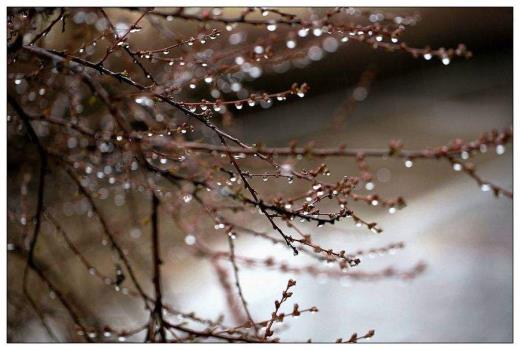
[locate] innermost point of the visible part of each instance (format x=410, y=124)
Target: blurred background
x=464, y=235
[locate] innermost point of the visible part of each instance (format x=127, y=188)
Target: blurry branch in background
x=114, y=118
x=358, y=94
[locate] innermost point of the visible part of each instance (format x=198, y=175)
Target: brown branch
x=237, y=283
x=157, y=321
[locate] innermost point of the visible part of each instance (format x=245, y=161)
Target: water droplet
x=457, y=167
x=500, y=149
x=291, y=44
x=190, y=239
x=408, y=163
x=369, y=186
x=392, y=210
x=303, y=32
x=485, y=187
